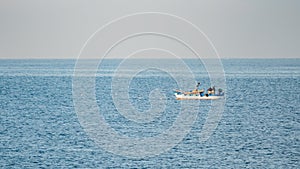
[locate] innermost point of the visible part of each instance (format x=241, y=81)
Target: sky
x=237, y=29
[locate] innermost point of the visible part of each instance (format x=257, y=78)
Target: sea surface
x=40, y=127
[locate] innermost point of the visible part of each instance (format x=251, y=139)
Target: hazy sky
x=237, y=28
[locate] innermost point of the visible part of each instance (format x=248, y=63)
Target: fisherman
x=220, y=91
x=198, y=90
x=209, y=91
x=197, y=86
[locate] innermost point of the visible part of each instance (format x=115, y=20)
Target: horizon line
x=92, y=58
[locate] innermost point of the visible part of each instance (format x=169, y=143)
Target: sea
x=45, y=122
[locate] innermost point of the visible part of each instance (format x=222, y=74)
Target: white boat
x=181, y=95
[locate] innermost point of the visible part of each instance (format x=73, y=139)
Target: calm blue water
x=260, y=126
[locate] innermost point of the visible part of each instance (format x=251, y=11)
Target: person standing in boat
x=197, y=86
x=220, y=92
x=198, y=90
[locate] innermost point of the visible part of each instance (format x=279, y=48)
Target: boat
x=198, y=94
